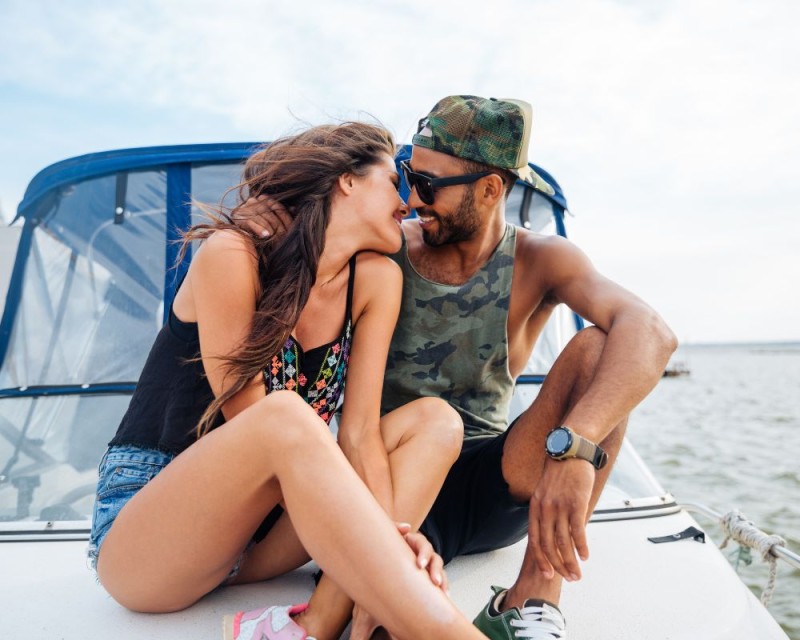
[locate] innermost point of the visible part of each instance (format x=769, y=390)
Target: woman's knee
x=284, y=418
x=440, y=423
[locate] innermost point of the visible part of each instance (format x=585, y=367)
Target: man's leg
x=524, y=451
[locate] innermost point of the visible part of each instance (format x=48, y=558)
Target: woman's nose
x=404, y=208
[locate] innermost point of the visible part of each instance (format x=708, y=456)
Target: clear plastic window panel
x=539, y=214
x=92, y=288
x=214, y=185
x=49, y=451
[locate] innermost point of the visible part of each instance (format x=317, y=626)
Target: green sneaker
x=538, y=619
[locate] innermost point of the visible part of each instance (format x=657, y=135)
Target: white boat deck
x=616, y=600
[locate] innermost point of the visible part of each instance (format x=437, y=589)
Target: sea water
x=727, y=435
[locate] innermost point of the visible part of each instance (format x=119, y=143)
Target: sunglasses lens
x=425, y=190
x=419, y=182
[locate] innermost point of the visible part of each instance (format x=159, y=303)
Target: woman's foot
x=268, y=623
x=365, y=627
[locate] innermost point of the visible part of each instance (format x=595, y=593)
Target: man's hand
x=262, y=216
x=557, y=518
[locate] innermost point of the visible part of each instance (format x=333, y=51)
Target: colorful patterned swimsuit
x=317, y=375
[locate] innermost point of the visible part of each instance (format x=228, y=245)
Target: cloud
x=671, y=125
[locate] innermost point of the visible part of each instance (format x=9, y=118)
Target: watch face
x=558, y=441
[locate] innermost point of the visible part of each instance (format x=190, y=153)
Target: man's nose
x=414, y=199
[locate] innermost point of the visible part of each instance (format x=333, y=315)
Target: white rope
x=735, y=526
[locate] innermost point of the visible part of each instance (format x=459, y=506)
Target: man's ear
x=346, y=183
x=492, y=188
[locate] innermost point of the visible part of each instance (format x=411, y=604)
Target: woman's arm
x=223, y=281
x=376, y=305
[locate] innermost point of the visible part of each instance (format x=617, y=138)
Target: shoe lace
x=543, y=623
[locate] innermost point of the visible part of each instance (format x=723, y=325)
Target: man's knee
x=588, y=344
x=578, y=362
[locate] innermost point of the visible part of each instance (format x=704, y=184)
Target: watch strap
x=585, y=449
x=588, y=450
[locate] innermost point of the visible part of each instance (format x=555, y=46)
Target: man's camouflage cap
x=490, y=131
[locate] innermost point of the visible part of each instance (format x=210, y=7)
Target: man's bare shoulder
x=535, y=249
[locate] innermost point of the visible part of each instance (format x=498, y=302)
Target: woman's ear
x=346, y=183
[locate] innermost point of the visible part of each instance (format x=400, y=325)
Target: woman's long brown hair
x=299, y=172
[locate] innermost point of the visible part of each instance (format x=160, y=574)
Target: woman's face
x=380, y=210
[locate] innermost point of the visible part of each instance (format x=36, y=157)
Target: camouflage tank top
x=451, y=342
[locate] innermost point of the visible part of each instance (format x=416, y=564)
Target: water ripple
x=728, y=435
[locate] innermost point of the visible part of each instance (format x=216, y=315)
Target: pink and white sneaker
x=269, y=623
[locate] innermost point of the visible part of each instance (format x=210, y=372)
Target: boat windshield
x=90, y=306
x=91, y=302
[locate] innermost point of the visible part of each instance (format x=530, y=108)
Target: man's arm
x=637, y=349
x=262, y=216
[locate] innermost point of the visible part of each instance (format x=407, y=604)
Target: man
x=477, y=293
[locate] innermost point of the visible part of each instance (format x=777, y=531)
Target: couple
x=223, y=470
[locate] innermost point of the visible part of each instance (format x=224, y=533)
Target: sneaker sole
x=227, y=628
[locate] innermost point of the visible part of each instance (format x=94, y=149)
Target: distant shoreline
x=776, y=346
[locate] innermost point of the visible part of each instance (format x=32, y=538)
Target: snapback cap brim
x=526, y=174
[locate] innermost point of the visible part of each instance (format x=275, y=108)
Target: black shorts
x=474, y=511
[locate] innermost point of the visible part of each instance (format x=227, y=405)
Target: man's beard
x=461, y=225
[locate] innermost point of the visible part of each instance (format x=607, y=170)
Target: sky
x=671, y=125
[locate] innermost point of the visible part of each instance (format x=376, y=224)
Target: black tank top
x=173, y=392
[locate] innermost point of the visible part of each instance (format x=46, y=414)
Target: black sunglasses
x=426, y=186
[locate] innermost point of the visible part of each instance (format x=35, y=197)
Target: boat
x=676, y=369
x=91, y=283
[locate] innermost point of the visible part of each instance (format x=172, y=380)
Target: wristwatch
x=562, y=443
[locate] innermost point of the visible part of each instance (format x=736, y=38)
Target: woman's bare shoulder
x=372, y=263
x=379, y=280
x=226, y=259
x=227, y=240
x=375, y=271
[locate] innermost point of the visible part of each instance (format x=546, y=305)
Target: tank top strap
x=348, y=314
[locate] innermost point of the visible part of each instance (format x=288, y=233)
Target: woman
x=227, y=425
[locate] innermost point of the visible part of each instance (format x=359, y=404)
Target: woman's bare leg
x=208, y=501
x=423, y=439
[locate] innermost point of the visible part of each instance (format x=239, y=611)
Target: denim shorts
x=123, y=471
